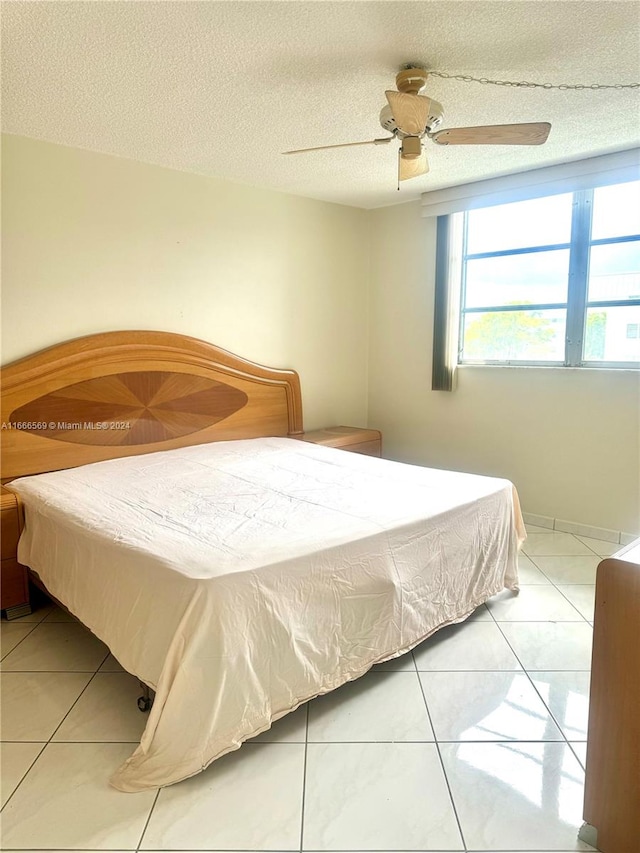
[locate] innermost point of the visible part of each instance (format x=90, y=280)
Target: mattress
x=239, y=579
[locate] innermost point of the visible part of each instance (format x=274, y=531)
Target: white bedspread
x=239, y=579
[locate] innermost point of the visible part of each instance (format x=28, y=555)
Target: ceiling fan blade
x=534, y=133
x=409, y=111
x=342, y=145
x=412, y=168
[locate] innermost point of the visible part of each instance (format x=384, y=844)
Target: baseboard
x=561, y=525
x=587, y=530
x=538, y=520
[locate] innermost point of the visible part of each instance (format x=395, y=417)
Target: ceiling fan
x=410, y=117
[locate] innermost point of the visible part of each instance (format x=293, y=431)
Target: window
x=553, y=280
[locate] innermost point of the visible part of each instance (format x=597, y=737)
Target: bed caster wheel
x=144, y=703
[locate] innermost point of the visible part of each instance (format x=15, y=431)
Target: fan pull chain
x=466, y=78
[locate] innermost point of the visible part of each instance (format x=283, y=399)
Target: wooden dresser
x=367, y=441
x=612, y=785
x=14, y=587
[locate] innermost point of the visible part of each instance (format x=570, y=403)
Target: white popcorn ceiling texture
x=222, y=88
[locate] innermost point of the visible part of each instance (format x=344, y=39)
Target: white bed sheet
x=240, y=579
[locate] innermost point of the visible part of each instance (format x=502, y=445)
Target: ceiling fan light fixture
x=408, y=169
x=411, y=147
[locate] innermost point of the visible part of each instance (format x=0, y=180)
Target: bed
x=235, y=570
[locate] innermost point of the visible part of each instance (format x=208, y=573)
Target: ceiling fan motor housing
x=434, y=119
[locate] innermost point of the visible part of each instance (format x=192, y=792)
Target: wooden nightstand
x=367, y=441
x=14, y=586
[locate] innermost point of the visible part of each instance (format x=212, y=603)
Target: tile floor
x=474, y=741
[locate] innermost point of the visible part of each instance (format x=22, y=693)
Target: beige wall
x=569, y=439
x=93, y=243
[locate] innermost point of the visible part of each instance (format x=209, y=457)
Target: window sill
x=591, y=368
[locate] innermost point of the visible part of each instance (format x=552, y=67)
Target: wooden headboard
x=123, y=393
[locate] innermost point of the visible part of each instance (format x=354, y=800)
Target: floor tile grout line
x=69, y=671
x=314, y=742
x=48, y=742
x=571, y=602
x=575, y=535
x=98, y=671
x=82, y=692
x=454, y=671
x=555, y=585
x=526, y=671
x=600, y=556
x=543, y=621
x=304, y=779
x=551, y=714
x=28, y=634
x=374, y=674
x=146, y=824
x=504, y=739
x=439, y=740
x=38, y=625
x=273, y=850
x=551, y=581
x=26, y=772
x=578, y=759
x=444, y=770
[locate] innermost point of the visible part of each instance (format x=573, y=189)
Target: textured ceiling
x=222, y=88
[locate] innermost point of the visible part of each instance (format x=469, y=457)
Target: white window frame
x=577, y=176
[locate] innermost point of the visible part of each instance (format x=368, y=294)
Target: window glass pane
x=531, y=279
x=612, y=334
x=614, y=271
x=616, y=211
x=514, y=336
x=537, y=222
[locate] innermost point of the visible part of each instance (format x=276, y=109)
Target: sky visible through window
x=538, y=222
x=542, y=277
